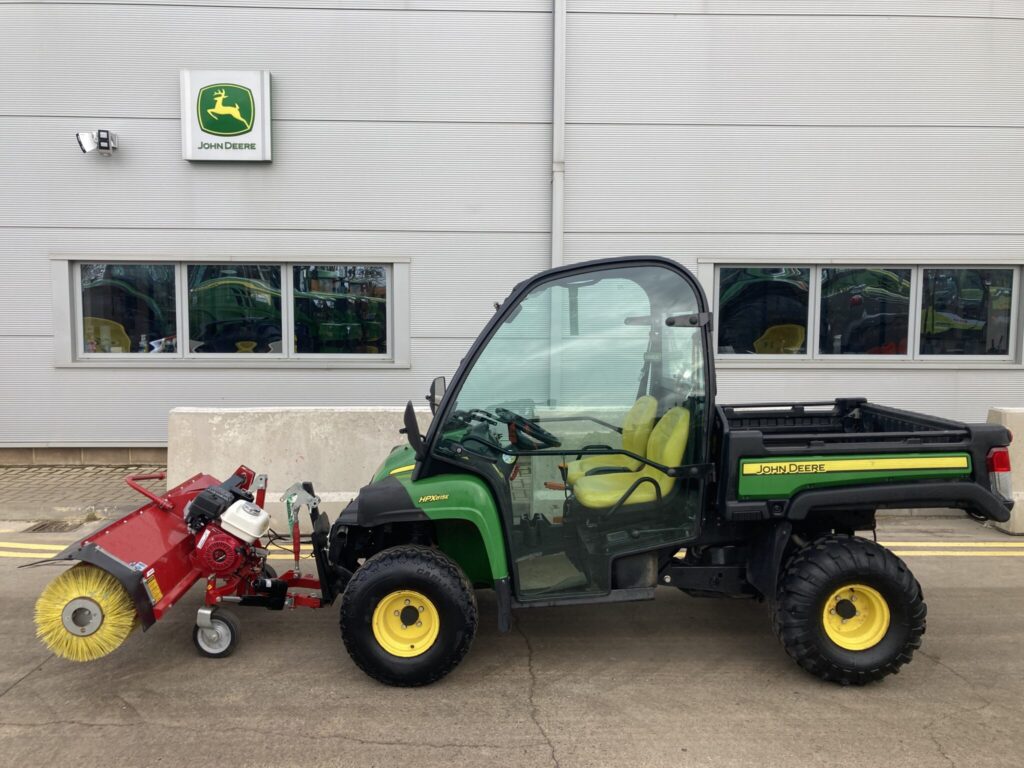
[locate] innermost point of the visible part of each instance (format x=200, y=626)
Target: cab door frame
x=430, y=464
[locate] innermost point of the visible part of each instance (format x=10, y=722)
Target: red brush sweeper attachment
x=134, y=570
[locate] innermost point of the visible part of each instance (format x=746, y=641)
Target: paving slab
x=72, y=492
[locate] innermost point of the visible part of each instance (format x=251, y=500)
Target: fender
x=450, y=497
x=966, y=495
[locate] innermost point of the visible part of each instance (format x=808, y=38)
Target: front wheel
x=848, y=610
x=408, y=616
x=220, y=638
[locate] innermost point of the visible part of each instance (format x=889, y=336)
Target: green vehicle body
x=578, y=456
x=479, y=546
x=463, y=511
x=469, y=516
x=801, y=473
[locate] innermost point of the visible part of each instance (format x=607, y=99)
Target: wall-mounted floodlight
x=104, y=141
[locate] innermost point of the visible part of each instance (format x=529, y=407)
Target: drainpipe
x=558, y=135
x=557, y=193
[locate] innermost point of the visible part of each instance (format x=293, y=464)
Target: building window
x=966, y=311
x=864, y=311
x=127, y=309
x=235, y=310
x=340, y=308
x=763, y=310
x=916, y=313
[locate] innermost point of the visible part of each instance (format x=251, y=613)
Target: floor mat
x=549, y=573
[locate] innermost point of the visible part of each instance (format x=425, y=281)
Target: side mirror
x=437, y=388
x=412, y=431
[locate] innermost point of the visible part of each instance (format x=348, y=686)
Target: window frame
x=183, y=316
x=711, y=272
x=812, y=299
x=288, y=288
x=815, y=352
x=78, y=312
x=1011, y=355
x=66, y=298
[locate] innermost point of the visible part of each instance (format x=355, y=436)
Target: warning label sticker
x=155, y=595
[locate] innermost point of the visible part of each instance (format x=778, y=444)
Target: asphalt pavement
x=673, y=682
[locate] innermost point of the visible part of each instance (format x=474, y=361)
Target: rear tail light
x=999, y=472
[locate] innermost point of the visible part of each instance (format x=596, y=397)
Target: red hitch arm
x=132, y=481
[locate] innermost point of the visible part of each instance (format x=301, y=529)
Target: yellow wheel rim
x=856, y=617
x=406, y=623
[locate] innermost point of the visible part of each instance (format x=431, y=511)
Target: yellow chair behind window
x=786, y=339
x=98, y=329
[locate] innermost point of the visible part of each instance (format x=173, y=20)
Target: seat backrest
x=637, y=426
x=667, y=444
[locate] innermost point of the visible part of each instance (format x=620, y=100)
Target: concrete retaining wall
x=1013, y=419
x=336, y=448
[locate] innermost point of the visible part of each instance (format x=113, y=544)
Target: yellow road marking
x=954, y=553
x=942, y=544
x=815, y=466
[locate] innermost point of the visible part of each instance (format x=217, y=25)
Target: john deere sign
x=225, y=115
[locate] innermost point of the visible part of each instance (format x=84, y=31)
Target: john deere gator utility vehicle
x=578, y=456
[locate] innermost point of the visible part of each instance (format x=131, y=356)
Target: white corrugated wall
x=754, y=129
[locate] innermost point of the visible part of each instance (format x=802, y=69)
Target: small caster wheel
x=220, y=637
x=268, y=572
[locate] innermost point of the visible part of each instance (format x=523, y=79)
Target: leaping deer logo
x=218, y=108
x=225, y=109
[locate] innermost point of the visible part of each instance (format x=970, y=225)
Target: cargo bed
x=843, y=421
x=850, y=453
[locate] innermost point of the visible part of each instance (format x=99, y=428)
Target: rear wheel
x=408, y=616
x=848, y=610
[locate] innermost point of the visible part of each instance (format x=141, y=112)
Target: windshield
x=581, y=350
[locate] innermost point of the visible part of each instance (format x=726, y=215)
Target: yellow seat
x=786, y=339
x=665, y=446
x=636, y=429
x=99, y=330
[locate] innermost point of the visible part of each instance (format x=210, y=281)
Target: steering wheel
x=529, y=428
